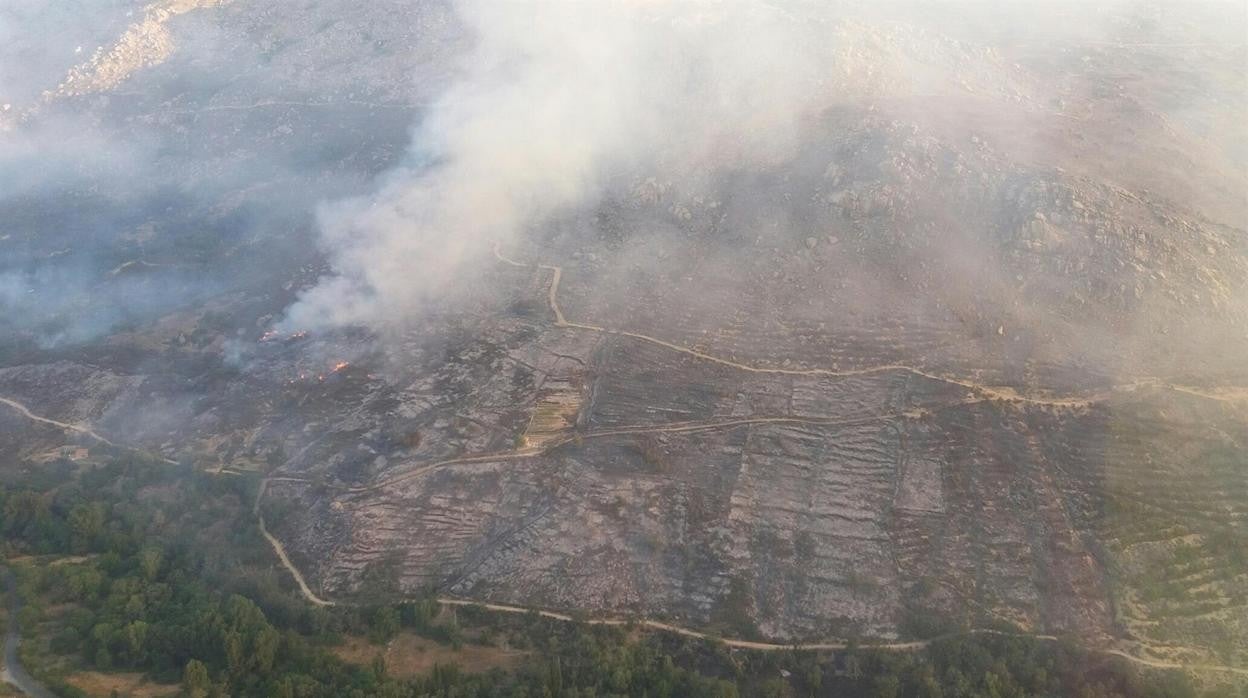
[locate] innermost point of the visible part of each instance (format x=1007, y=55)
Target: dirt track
x=674, y=428
x=72, y=427
x=312, y=597
x=14, y=673
x=981, y=391
x=281, y=551
x=730, y=642
x=985, y=391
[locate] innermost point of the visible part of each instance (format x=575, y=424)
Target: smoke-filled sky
x=556, y=104
x=199, y=140
x=559, y=106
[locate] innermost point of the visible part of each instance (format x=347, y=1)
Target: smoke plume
x=557, y=105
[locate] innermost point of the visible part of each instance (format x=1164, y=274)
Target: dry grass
x=410, y=655
x=95, y=683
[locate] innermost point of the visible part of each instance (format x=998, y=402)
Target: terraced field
x=1175, y=523
x=807, y=504
x=969, y=353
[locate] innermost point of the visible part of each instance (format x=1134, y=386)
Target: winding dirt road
x=671, y=428
x=71, y=427
x=679, y=427
x=639, y=622
x=312, y=597
x=910, y=646
x=74, y=427
x=281, y=551
x=1003, y=393
x=14, y=673
x=982, y=391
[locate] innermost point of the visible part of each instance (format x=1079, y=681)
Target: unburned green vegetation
x=150, y=579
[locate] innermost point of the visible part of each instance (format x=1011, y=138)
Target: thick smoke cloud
x=973, y=122
x=557, y=105
x=552, y=109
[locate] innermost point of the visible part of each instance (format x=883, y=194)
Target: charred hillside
x=966, y=347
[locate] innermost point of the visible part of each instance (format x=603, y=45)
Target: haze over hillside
x=790, y=321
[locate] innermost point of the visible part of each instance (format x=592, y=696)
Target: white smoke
x=557, y=103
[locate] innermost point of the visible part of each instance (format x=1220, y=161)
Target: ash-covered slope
x=968, y=348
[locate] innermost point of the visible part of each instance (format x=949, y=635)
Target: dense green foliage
x=174, y=581
x=177, y=583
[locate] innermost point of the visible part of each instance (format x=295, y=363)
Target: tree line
x=173, y=580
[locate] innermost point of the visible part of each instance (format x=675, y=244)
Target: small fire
x=341, y=365
x=299, y=335
x=268, y=336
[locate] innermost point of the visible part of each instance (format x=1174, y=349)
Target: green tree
x=235, y=658
x=195, y=678
x=887, y=686
x=86, y=524
x=265, y=649
x=135, y=635
x=383, y=624
x=149, y=563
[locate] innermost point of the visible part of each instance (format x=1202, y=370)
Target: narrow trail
x=1002, y=393
x=14, y=673
x=686, y=632
x=281, y=551
x=915, y=645
x=72, y=427
x=1161, y=664
x=985, y=393
x=910, y=646
x=552, y=294
x=607, y=621
x=672, y=428
x=992, y=392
